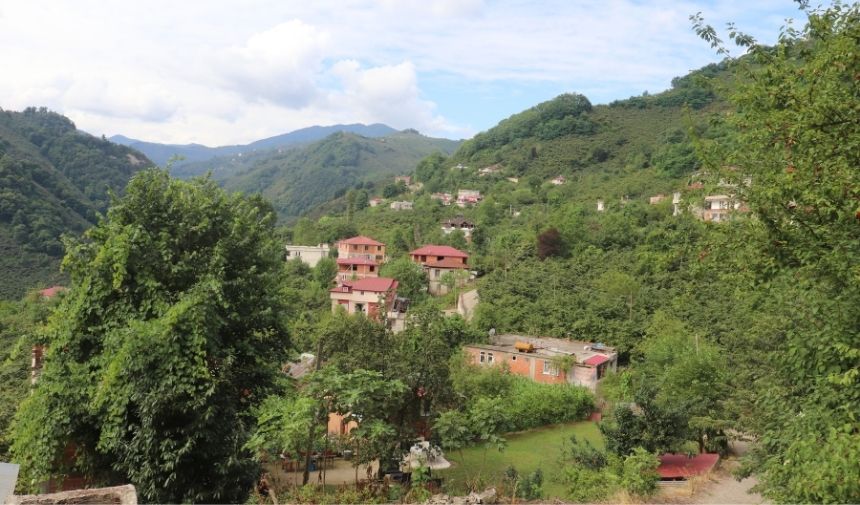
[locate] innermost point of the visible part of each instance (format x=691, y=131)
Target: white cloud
x=214, y=72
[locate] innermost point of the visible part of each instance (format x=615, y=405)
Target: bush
x=639, y=473
x=584, y=485
x=532, y=404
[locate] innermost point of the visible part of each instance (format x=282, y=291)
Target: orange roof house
x=438, y=260
x=353, y=269
x=361, y=247
x=368, y=296
x=538, y=358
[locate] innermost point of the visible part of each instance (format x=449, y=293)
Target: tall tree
x=171, y=332
x=797, y=139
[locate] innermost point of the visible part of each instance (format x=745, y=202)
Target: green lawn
x=527, y=451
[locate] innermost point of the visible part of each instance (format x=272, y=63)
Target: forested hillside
x=297, y=180
x=192, y=153
x=54, y=179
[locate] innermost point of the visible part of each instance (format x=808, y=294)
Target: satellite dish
x=492, y=332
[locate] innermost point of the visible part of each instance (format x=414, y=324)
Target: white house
x=310, y=254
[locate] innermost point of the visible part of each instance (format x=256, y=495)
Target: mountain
x=161, y=153
x=54, y=179
x=297, y=180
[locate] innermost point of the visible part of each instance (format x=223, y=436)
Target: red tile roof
x=595, y=360
x=439, y=250
x=679, y=466
x=372, y=284
x=360, y=240
x=356, y=261
x=52, y=291
x=446, y=263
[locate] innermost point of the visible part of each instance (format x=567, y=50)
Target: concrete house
x=558, y=181
x=718, y=207
x=310, y=254
x=654, y=200
x=445, y=198
x=468, y=197
x=458, y=223
x=405, y=179
x=375, y=202
x=361, y=247
x=353, y=269
x=372, y=296
x=438, y=260
x=401, y=205
x=538, y=358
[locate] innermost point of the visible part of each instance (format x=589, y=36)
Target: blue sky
x=220, y=72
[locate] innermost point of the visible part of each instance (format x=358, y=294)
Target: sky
x=217, y=72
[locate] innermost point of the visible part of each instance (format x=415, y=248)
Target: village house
x=490, y=170
x=458, y=223
x=600, y=206
x=361, y=247
x=401, y=205
x=513, y=179
x=374, y=202
x=439, y=260
x=371, y=296
x=718, y=207
x=558, y=181
x=353, y=269
x=405, y=179
x=654, y=200
x=445, y=198
x=548, y=360
x=309, y=254
x=468, y=197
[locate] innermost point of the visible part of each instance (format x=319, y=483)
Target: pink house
x=368, y=296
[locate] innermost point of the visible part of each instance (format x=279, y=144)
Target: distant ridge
x=161, y=153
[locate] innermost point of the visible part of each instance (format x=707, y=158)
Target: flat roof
x=596, y=354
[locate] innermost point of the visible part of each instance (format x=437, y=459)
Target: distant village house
x=558, y=181
x=542, y=359
x=458, y=223
x=401, y=205
x=309, y=254
x=373, y=202
x=445, y=198
x=439, y=260
x=361, y=247
x=405, y=179
x=654, y=200
x=468, y=197
x=372, y=296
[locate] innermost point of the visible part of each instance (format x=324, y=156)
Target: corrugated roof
x=439, y=250
x=360, y=240
x=679, y=466
x=597, y=359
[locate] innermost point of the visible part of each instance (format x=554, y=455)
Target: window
x=371, y=268
x=483, y=356
x=513, y=358
x=489, y=357
x=436, y=273
x=366, y=248
x=359, y=307
x=549, y=368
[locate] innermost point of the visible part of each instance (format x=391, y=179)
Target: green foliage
x=564, y=115
x=584, y=485
x=297, y=180
x=171, y=333
x=54, y=179
x=651, y=426
x=411, y=278
x=639, y=473
x=793, y=133
x=20, y=330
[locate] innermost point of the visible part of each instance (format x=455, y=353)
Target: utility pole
x=311, y=431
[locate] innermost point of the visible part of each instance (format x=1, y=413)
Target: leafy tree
x=171, y=333
x=411, y=278
x=795, y=135
x=639, y=473
x=549, y=243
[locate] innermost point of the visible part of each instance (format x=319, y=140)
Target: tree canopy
x=172, y=330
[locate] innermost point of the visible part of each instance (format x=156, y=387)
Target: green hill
x=298, y=180
x=54, y=179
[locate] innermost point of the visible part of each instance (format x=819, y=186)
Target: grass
x=527, y=451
